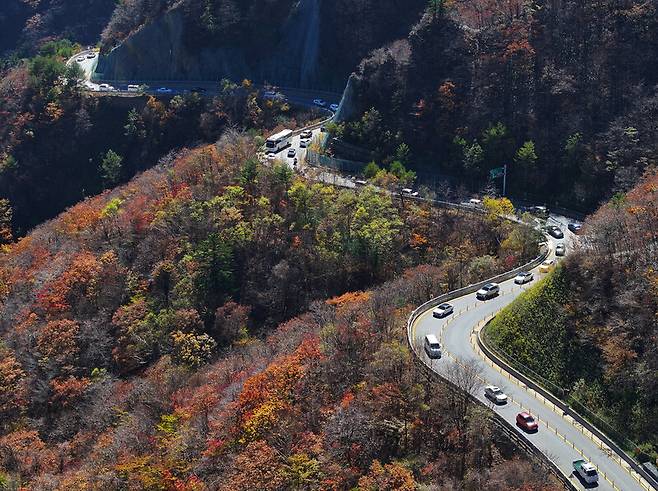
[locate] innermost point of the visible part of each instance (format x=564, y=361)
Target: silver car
x=523, y=278
x=560, y=250
x=443, y=310
x=494, y=394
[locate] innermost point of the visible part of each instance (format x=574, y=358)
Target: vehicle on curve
x=560, y=250
x=409, y=192
x=91, y=56
x=555, y=232
x=547, y=266
x=488, y=291
x=574, y=227
x=586, y=471
x=164, y=90
x=292, y=152
x=80, y=59
x=306, y=134
x=477, y=203
x=432, y=347
x=360, y=182
x=305, y=143
x=334, y=107
x=523, y=278
x=279, y=141
x=319, y=102
x=493, y=393
x=539, y=211
x=198, y=90
x=526, y=422
x=133, y=88
x=443, y=310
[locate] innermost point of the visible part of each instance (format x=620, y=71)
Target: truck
x=586, y=471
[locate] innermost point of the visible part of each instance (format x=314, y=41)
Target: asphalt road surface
x=559, y=437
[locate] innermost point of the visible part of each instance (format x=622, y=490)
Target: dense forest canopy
x=563, y=93
x=129, y=330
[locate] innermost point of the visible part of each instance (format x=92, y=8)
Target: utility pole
x=504, y=179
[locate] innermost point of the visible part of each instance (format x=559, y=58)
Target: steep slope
x=563, y=93
x=129, y=325
x=24, y=25
x=307, y=44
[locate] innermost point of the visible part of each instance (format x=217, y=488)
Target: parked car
x=306, y=134
x=443, y=310
x=586, y=471
x=556, y=232
x=432, y=347
x=319, y=102
x=526, y=422
x=494, y=394
x=292, y=152
x=560, y=250
x=547, y=266
x=490, y=290
x=304, y=143
x=334, y=107
x=574, y=227
x=164, y=90
x=523, y=278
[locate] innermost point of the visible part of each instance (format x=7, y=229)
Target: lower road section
x=559, y=438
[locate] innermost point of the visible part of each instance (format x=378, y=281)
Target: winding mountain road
x=559, y=438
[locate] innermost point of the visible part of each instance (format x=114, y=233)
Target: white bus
x=279, y=141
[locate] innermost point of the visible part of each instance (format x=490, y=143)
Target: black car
x=556, y=232
x=575, y=227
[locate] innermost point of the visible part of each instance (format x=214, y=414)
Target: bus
x=279, y=141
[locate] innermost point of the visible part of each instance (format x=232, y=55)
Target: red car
x=526, y=422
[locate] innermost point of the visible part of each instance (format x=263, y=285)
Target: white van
x=432, y=346
x=133, y=88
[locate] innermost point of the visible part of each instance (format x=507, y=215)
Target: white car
x=164, y=90
x=490, y=290
x=523, y=278
x=306, y=134
x=443, y=310
x=410, y=192
x=304, y=143
x=334, y=107
x=319, y=102
x=80, y=59
x=494, y=394
x=91, y=56
x=105, y=88
x=560, y=250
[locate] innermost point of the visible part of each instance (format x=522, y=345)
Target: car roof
x=443, y=305
x=431, y=338
x=524, y=414
x=493, y=387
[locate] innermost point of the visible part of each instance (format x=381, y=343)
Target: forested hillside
x=590, y=328
x=59, y=144
x=561, y=92
x=130, y=329
x=26, y=24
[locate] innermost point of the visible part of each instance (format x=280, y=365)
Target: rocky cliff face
x=317, y=46
x=158, y=52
